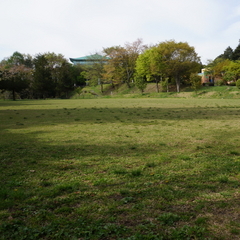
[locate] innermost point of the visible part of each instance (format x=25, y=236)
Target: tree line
x=226, y=67
x=50, y=75
x=136, y=64
x=47, y=75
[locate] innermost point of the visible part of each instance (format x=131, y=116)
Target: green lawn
x=166, y=168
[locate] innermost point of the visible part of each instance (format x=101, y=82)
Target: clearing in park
x=120, y=169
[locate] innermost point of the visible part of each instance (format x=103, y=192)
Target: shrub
x=238, y=83
x=165, y=85
x=195, y=81
x=219, y=82
x=140, y=83
x=232, y=84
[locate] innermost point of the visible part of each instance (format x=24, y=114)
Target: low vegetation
x=122, y=91
x=120, y=168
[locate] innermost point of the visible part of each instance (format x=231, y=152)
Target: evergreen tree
x=228, y=53
x=236, y=52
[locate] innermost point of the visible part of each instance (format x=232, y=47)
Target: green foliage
x=228, y=54
x=149, y=66
x=229, y=76
x=122, y=62
x=43, y=85
x=140, y=83
x=219, y=82
x=234, y=69
x=46, y=75
x=179, y=60
x=236, y=53
x=168, y=59
x=94, y=72
x=14, y=78
x=238, y=83
x=195, y=81
x=165, y=85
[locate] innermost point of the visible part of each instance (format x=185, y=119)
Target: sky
x=77, y=28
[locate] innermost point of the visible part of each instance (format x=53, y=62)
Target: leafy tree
x=232, y=71
x=165, y=85
x=14, y=79
x=149, y=65
x=53, y=75
x=179, y=60
x=19, y=59
x=43, y=85
x=195, y=81
x=140, y=83
x=122, y=62
x=217, y=68
x=94, y=71
x=220, y=66
x=65, y=81
x=238, y=83
x=229, y=77
x=62, y=74
x=15, y=73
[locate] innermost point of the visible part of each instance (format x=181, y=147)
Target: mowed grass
x=120, y=169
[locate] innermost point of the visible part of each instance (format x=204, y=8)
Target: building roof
x=90, y=58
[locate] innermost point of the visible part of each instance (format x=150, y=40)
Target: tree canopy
x=168, y=59
x=122, y=62
x=44, y=75
x=51, y=75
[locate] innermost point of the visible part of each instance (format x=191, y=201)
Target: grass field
x=166, y=168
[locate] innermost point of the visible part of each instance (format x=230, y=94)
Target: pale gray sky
x=77, y=28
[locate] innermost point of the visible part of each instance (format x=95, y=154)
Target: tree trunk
x=128, y=84
x=157, y=87
x=101, y=87
x=113, y=86
x=178, y=84
x=13, y=95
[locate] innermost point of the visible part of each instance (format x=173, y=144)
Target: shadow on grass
x=69, y=188
x=30, y=117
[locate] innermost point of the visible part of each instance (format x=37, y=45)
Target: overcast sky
x=76, y=28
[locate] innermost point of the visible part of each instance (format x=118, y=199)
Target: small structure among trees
x=89, y=60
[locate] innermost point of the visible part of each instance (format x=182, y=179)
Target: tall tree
x=18, y=58
x=15, y=73
x=122, y=62
x=14, y=79
x=236, y=52
x=232, y=71
x=43, y=85
x=61, y=74
x=113, y=70
x=53, y=76
x=179, y=59
x=227, y=54
x=195, y=81
x=95, y=69
x=149, y=65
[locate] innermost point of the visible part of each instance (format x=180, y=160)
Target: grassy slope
x=148, y=168
x=150, y=91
